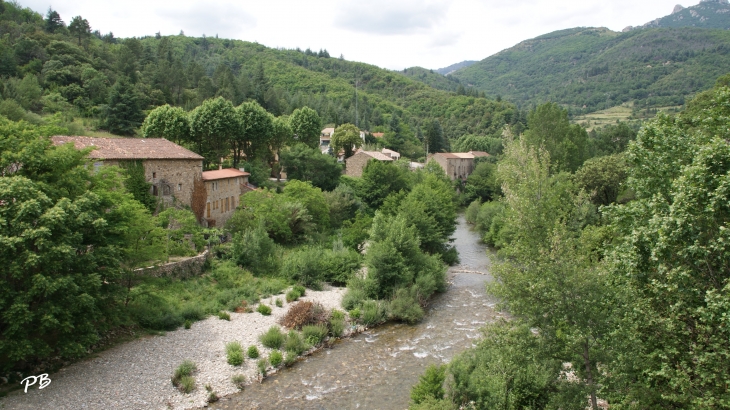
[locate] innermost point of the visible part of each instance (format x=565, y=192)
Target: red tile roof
x=378, y=134
x=479, y=153
x=223, y=173
x=446, y=155
x=128, y=148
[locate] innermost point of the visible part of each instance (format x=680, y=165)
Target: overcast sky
x=392, y=34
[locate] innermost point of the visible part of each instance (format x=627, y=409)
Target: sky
x=392, y=34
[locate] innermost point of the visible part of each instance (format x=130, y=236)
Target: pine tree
x=123, y=115
x=53, y=21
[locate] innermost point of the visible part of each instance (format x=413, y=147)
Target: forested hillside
x=707, y=14
x=53, y=64
x=589, y=69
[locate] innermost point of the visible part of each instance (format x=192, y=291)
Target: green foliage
x=295, y=343
x=123, y=114
x=254, y=250
x=304, y=163
x=182, y=376
x=171, y=123
x=262, y=364
x=290, y=358
x=313, y=200
x=466, y=143
x=234, y=353
x=343, y=204
x=264, y=309
x=355, y=232
x=273, y=338
x=380, y=179
x=252, y=352
x=614, y=68
x=337, y=326
x=310, y=266
x=279, y=303
x=602, y=178
x=314, y=334
x=136, y=183
x=275, y=358
x=179, y=223
x=224, y=315
x=306, y=125
x=550, y=129
x=482, y=184
x=405, y=306
x=213, y=124
x=299, y=289
x=239, y=380
x=373, y=313
x=355, y=313
x=285, y=221
x=430, y=384
x=292, y=296
x=347, y=138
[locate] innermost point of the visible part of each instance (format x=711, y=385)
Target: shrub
x=239, y=381
x=337, y=327
x=353, y=298
x=373, y=313
x=255, y=250
x=279, y=303
x=292, y=295
x=405, y=306
x=430, y=384
x=298, y=315
x=192, y=312
x=262, y=364
x=212, y=397
x=275, y=358
x=224, y=315
x=253, y=352
x=314, y=334
x=355, y=313
x=234, y=351
x=300, y=289
x=188, y=324
x=337, y=314
x=295, y=343
x=182, y=377
x=264, y=309
x=273, y=338
x=290, y=358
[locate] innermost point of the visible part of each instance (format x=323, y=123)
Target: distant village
x=171, y=169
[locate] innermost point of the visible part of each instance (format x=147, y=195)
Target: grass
x=273, y=338
x=279, y=303
x=355, y=313
x=166, y=303
x=262, y=364
x=234, y=352
x=292, y=296
x=224, y=315
x=264, y=309
x=188, y=324
x=337, y=327
x=295, y=343
x=314, y=334
x=301, y=290
x=239, y=381
x=253, y=352
x=275, y=358
x=290, y=358
x=182, y=378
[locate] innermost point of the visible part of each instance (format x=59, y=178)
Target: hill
x=49, y=68
x=453, y=67
x=590, y=69
x=706, y=14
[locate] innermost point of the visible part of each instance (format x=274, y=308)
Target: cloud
x=390, y=17
x=445, y=39
x=225, y=20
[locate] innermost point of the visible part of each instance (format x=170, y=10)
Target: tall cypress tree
x=123, y=114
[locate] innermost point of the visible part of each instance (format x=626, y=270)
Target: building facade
x=457, y=165
x=169, y=168
x=224, y=188
x=356, y=163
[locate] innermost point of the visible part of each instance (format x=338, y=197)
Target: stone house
x=391, y=153
x=457, y=165
x=224, y=188
x=356, y=163
x=168, y=167
x=325, y=138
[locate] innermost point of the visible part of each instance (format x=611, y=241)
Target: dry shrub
x=305, y=313
x=243, y=308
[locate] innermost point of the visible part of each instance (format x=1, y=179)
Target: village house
x=391, y=153
x=356, y=163
x=224, y=188
x=168, y=167
x=457, y=165
x=324, y=139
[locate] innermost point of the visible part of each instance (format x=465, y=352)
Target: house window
x=154, y=175
x=208, y=209
x=154, y=190
x=226, y=204
x=166, y=190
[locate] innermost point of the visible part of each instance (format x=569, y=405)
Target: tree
x=549, y=127
x=53, y=21
x=171, y=123
x=281, y=136
x=254, y=132
x=307, y=126
x=434, y=137
x=482, y=183
x=213, y=125
x=123, y=113
x=79, y=28
x=308, y=164
x=346, y=137
x=313, y=200
x=602, y=178
x=380, y=179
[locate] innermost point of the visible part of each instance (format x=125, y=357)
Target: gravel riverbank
x=136, y=375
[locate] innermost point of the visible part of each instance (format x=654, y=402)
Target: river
x=376, y=369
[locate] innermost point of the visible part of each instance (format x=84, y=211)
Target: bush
x=234, y=351
x=298, y=315
x=472, y=211
x=295, y=343
x=224, y=315
x=337, y=314
x=430, y=384
x=312, y=265
x=192, y=312
x=262, y=364
x=188, y=324
x=355, y=313
x=373, y=313
x=273, y=338
x=301, y=290
x=405, y=306
x=253, y=352
x=292, y=296
x=239, y=381
x=279, y=303
x=337, y=327
x=255, y=250
x=182, y=377
x=290, y=358
x=314, y=334
x=353, y=297
x=264, y=309
x=275, y=358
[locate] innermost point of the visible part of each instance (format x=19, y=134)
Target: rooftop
x=377, y=155
x=328, y=131
x=223, y=174
x=128, y=148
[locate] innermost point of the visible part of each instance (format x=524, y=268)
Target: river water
x=376, y=369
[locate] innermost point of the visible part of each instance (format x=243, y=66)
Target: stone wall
x=356, y=163
x=223, y=198
x=183, y=269
x=170, y=177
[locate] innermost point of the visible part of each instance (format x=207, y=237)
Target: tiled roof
x=329, y=131
x=128, y=148
x=378, y=134
x=377, y=155
x=479, y=153
x=223, y=173
x=390, y=153
x=464, y=155
x=446, y=155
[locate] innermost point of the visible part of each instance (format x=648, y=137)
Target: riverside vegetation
x=615, y=272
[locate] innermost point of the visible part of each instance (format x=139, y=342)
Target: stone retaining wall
x=181, y=270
